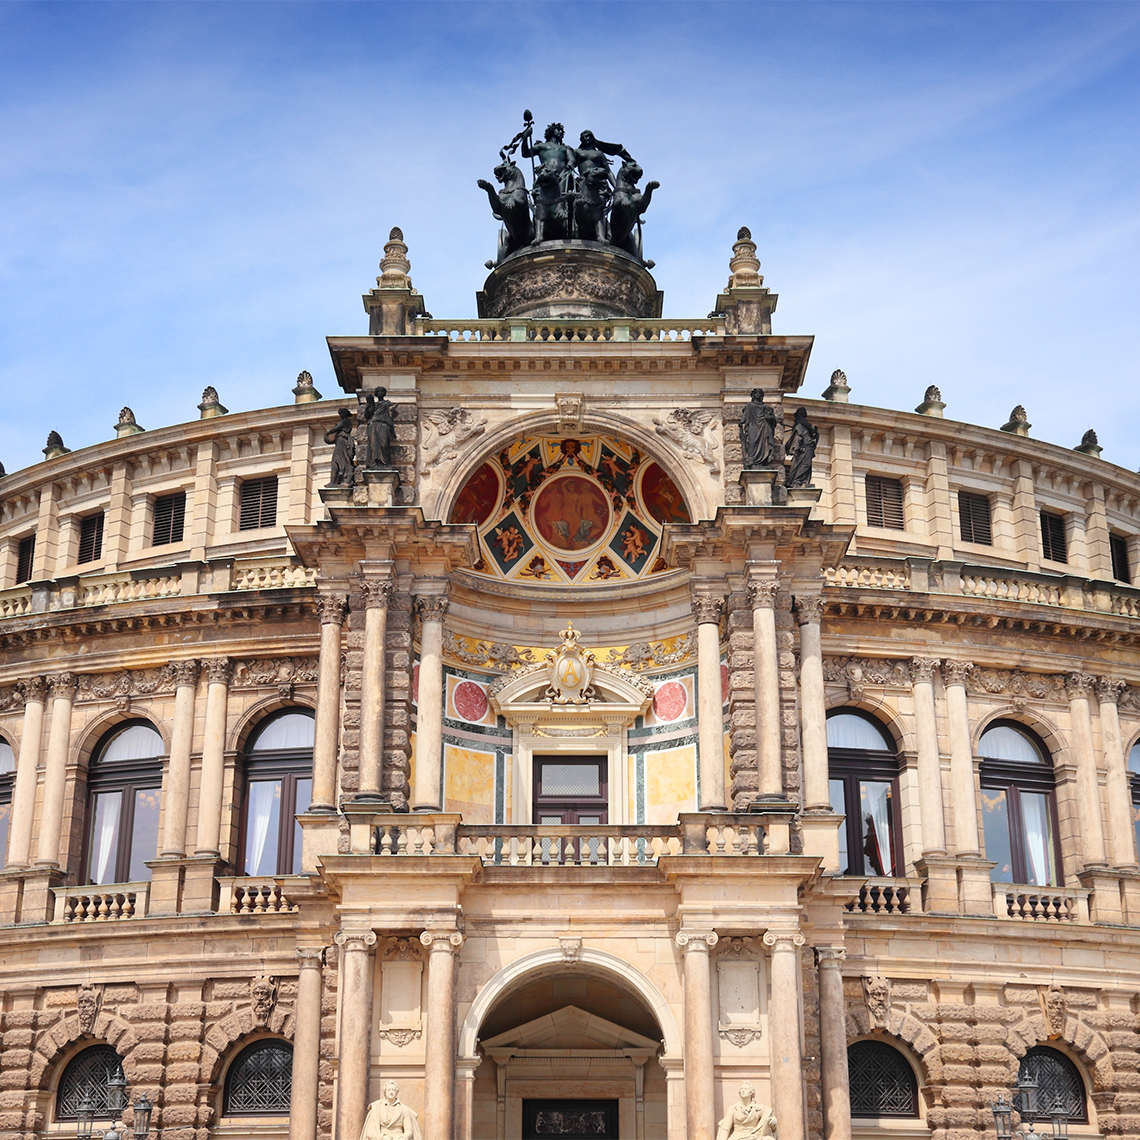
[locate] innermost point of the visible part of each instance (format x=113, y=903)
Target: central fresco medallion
x=571, y=510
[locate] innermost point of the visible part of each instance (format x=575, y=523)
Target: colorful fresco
x=570, y=510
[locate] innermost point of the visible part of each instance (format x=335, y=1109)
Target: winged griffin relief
x=445, y=432
x=691, y=429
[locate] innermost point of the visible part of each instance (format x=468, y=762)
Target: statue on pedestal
x=758, y=433
x=343, y=472
x=747, y=1120
x=379, y=430
x=389, y=1119
x=801, y=449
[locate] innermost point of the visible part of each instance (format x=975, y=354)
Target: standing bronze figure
x=801, y=449
x=344, y=450
x=758, y=433
x=379, y=430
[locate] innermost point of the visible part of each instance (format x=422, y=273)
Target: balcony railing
x=888, y=896
x=1041, y=904
x=110, y=902
x=246, y=895
x=617, y=330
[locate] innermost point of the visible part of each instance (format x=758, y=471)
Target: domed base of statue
x=570, y=280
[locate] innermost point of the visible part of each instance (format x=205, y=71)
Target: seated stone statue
x=388, y=1119
x=747, y=1120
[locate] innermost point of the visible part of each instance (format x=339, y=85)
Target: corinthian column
x=813, y=704
x=63, y=687
x=177, y=793
x=833, y=1044
x=700, y=1116
x=710, y=704
x=330, y=610
x=377, y=597
x=307, y=1045
x=219, y=672
x=766, y=671
x=355, y=1037
x=1120, y=827
x=964, y=796
x=929, y=766
x=429, y=704
x=1079, y=685
x=439, y=1063
x=784, y=1021
x=24, y=793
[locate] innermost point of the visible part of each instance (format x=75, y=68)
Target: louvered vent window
x=25, y=556
x=1053, y=546
x=1121, y=564
x=258, y=503
x=974, y=518
x=169, y=518
x=91, y=538
x=885, y=502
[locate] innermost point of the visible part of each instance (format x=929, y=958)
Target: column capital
x=219, y=670
x=310, y=957
x=831, y=955
x=956, y=672
x=703, y=940
x=1108, y=689
x=447, y=940
x=763, y=594
x=63, y=685
x=355, y=939
x=331, y=608
x=377, y=592
x=185, y=673
x=1079, y=684
x=33, y=689
x=708, y=609
x=922, y=669
x=809, y=608
x=783, y=939
x=432, y=607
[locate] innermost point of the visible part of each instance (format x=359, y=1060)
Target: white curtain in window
x=876, y=808
x=104, y=836
x=261, y=823
x=1035, y=817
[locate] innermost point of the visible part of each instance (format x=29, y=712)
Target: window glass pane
x=144, y=833
x=139, y=742
x=571, y=780
x=5, y=821
x=550, y=819
x=835, y=788
x=261, y=1080
x=1136, y=823
x=875, y=812
x=1038, y=839
x=105, y=837
x=1005, y=743
x=304, y=798
x=1134, y=758
x=995, y=824
x=589, y=819
x=846, y=730
x=262, y=827
x=7, y=758
x=292, y=730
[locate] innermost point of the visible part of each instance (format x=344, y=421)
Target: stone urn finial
x=55, y=446
x=932, y=404
x=838, y=390
x=744, y=267
x=1089, y=445
x=127, y=424
x=1018, y=422
x=394, y=265
x=211, y=406
x=305, y=392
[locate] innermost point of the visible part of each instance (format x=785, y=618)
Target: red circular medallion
x=670, y=700
x=470, y=701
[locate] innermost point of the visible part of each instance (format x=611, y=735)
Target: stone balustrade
x=15, y=603
x=887, y=896
x=245, y=895
x=566, y=331
x=108, y=590
x=281, y=574
x=869, y=575
x=109, y=903
x=1041, y=904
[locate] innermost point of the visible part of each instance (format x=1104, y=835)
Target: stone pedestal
x=336, y=496
x=36, y=903
x=200, y=884
x=803, y=496
x=820, y=831
x=760, y=487
x=380, y=485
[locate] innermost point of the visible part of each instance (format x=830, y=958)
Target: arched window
x=1018, y=807
x=1134, y=779
x=7, y=776
x=260, y=1080
x=84, y=1081
x=123, y=789
x=278, y=785
x=882, y=1082
x=863, y=774
x=1058, y=1079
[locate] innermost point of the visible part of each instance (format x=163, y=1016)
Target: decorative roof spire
x=744, y=267
x=211, y=406
x=932, y=404
x=394, y=265
x=127, y=424
x=305, y=392
x=55, y=446
x=1018, y=422
x=1089, y=445
x=837, y=391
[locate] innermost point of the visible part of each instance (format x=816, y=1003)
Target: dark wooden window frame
x=1054, y=539
x=258, y=505
x=886, y=502
x=571, y=805
x=975, y=518
x=92, y=1067
x=90, y=538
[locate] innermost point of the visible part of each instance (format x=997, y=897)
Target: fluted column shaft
x=833, y=1044
x=710, y=704
x=1079, y=685
x=355, y=1037
x=330, y=610
x=176, y=795
x=784, y=1020
x=429, y=705
x=24, y=792
x=377, y=597
x=929, y=765
x=306, y=1045
x=55, y=769
x=219, y=671
x=439, y=1062
x=1120, y=826
x=766, y=673
x=963, y=792
x=700, y=1116
x=813, y=704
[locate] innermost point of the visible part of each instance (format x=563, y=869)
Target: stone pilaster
x=707, y=611
x=700, y=1117
x=331, y=610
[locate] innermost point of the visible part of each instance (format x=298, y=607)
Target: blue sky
x=198, y=193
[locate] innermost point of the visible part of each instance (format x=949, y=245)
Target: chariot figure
x=511, y=206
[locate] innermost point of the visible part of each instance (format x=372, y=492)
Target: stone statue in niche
x=747, y=1119
x=389, y=1119
x=801, y=449
x=379, y=430
x=758, y=433
x=262, y=998
x=343, y=472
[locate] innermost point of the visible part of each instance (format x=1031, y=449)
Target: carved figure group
x=574, y=193
x=761, y=448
